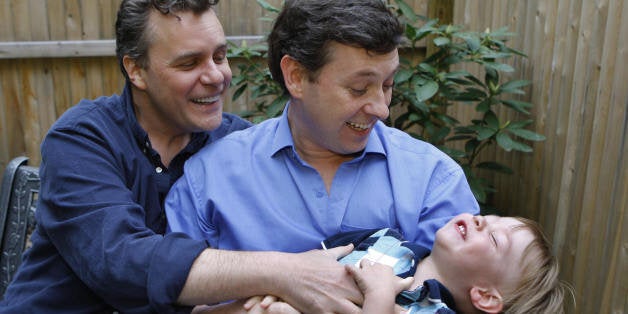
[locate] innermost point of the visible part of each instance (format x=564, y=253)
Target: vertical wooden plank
x=56, y=16
x=72, y=19
x=28, y=113
x=613, y=93
x=7, y=113
x=443, y=10
x=558, y=86
x=22, y=28
x=6, y=21
x=108, y=10
x=59, y=68
x=61, y=80
x=89, y=19
x=587, y=154
x=76, y=70
x=20, y=12
x=534, y=32
x=7, y=89
x=38, y=76
x=38, y=18
x=112, y=77
x=77, y=85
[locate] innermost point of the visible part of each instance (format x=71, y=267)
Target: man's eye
x=187, y=64
x=220, y=58
x=358, y=92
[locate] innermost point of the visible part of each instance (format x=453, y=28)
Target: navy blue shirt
x=99, y=245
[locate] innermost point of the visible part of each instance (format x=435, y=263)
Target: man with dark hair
x=107, y=165
x=328, y=164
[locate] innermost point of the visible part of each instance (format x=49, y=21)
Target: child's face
x=482, y=249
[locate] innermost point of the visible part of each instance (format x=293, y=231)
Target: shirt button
x=320, y=194
x=159, y=170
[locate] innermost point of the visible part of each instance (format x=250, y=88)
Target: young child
x=479, y=264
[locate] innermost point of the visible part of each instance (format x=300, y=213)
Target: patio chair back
x=18, y=200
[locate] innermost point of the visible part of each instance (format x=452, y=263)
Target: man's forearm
x=218, y=275
x=311, y=282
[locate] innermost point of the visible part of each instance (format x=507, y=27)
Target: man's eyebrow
x=369, y=73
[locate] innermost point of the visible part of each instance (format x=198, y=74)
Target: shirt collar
x=283, y=137
x=197, y=140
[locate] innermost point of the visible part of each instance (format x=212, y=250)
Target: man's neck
x=167, y=140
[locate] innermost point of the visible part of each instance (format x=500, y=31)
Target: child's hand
x=268, y=305
x=376, y=279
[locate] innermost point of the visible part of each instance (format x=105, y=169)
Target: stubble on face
x=349, y=95
x=188, y=73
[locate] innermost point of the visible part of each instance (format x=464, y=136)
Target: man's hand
x=317, y=283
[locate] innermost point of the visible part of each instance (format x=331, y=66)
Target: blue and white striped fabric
x=387, y=246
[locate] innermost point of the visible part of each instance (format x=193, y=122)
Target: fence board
x=6, y=22
x=38, y=19
x=72, y=20
x=575, y=183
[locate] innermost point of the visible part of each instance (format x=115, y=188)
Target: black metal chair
x=18, y=200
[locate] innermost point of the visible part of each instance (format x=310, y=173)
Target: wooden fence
x=575, y=183
x=55, y=52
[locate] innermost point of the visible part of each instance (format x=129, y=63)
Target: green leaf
x=522, y=147
x=490, y=54
x=527, y=134
x=453, y=153
x=513, y=87
x=495, y=166
x=403, y=76
x=500, y=67
x=491, y=120
x=426, y=67
x=459, y=137
x=484, y=106
x=519, y=124
x=508, y=144
x=267, y=7
x=505, y=142
x=520, y=106
x=477, y=188
x=470, y=146
x=485, y=133
x=406, y=10
x=239, y=92
x=440, y=134
x=426, y=91
x=411, y=33
x=441, y=41
x=473, y=43
x=275, y=108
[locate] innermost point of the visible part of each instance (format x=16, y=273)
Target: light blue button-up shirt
x=251, y=191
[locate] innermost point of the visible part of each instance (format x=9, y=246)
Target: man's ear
x=488, y=300
x=134, y=71
x=293, y=76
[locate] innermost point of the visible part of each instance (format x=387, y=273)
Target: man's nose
x=378, y=105
x=212, y=74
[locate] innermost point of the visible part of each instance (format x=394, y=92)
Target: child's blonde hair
x=540, y=290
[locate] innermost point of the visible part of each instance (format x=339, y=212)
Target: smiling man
x=329, y=163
